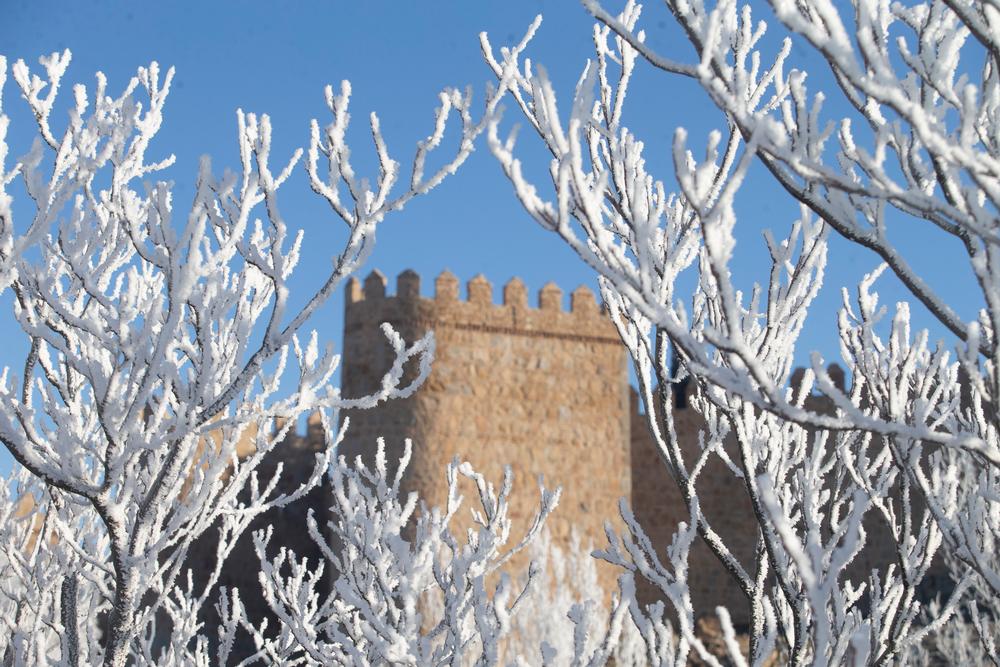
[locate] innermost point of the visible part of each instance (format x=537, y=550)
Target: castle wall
x=542, y=389
x=546, y=391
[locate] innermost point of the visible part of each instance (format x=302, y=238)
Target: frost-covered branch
x=604, y=190
x=150, y=393
x=870, y=465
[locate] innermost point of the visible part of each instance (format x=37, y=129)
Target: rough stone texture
x=542, y=389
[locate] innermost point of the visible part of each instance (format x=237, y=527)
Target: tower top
x=545, y=315
x=478, y=290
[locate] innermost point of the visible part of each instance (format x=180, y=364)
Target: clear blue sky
x=275, y=58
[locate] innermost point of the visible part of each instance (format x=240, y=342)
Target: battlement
x=369, y=301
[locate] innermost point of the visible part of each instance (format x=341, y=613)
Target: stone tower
x=538, y=387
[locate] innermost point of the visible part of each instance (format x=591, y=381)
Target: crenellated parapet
x=369, y=301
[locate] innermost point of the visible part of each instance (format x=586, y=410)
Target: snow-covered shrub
x=568, y=588
x=406, y=589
